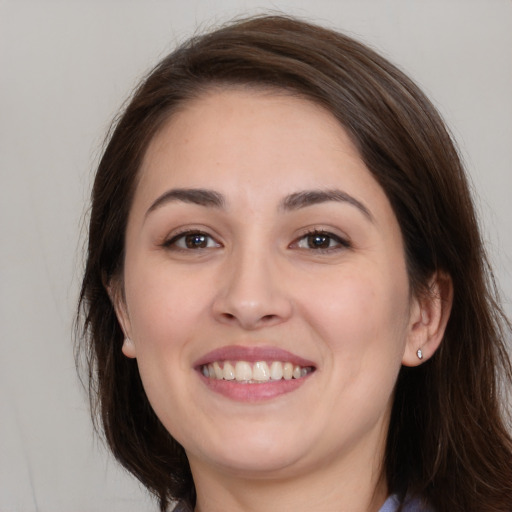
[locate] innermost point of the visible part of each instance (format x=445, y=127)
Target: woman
x=286, y=301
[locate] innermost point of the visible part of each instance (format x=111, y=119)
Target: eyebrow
x=199, y=196
x=311, y=197
x=295, y=201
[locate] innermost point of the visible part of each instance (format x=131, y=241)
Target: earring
x=419, y=353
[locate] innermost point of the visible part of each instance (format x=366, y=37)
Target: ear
x=429, y=316
x=115, y=292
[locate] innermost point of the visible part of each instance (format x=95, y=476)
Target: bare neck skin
x=353, y=484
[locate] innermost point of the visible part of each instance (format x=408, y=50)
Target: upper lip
x=252, y=355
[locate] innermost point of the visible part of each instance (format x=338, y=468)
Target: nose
x=252, y=294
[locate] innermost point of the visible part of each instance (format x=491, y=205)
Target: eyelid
x=170, y=240
x=343, y=241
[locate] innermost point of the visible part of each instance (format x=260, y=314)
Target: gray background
x=65, y=68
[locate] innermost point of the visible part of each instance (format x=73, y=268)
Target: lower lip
x=245, y=392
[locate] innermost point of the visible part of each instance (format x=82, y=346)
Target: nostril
x=254, y=322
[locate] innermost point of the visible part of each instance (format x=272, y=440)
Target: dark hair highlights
x=448, y=441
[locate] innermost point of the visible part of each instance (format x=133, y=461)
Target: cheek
x=361, y=314
x=164, y=315
x=164, y=308
x=358, y=318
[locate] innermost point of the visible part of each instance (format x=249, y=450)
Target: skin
x=260, y=282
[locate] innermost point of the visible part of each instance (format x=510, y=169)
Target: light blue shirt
x=392, y=504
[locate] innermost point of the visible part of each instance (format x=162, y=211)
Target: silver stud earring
x=419, y=353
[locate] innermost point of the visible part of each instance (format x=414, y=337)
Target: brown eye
x=320, y=240
x=192, y=240
x=196, y=241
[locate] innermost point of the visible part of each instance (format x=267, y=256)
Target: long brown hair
x=448, y=440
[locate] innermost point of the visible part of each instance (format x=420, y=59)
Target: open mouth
x=257, y=372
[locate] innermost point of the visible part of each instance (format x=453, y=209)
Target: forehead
x=255, y=150
x=248, y=132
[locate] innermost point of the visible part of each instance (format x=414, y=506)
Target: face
x=265, y=289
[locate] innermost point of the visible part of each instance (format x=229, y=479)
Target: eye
x=192, y=240
x=321, y=240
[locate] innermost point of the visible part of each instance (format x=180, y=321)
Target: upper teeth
x=260, y=371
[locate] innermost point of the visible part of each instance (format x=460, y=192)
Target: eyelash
x=340, y=242
x=172, y=242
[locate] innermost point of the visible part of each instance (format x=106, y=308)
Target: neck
x=358, y=485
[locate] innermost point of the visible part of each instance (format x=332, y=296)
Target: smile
x=257, y=372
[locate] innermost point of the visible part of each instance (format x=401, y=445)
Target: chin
x=255, y=453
